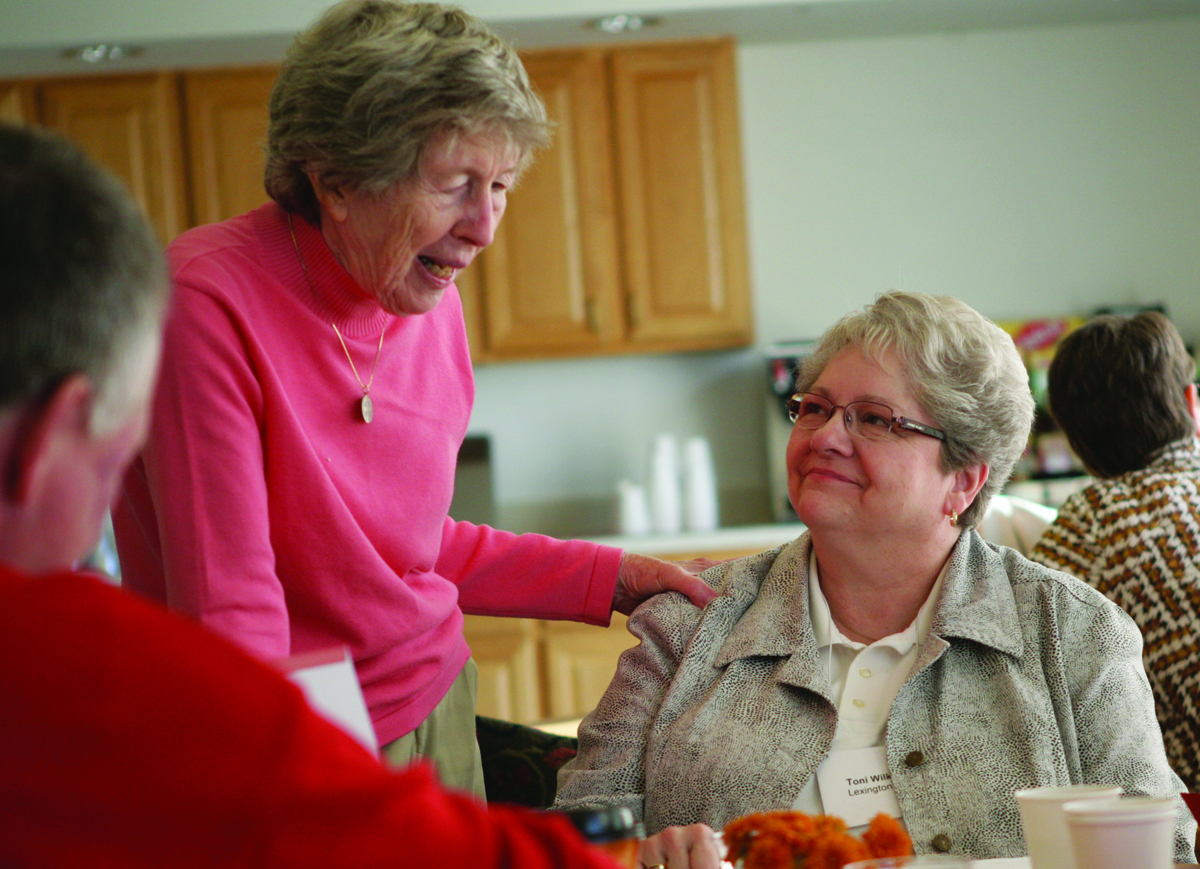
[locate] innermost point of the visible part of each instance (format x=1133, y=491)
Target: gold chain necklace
x=365, y=405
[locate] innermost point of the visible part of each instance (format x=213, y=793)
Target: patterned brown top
x=1136, y=538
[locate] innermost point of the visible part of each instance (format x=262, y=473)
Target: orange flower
x=834, y=853
x=791, y=840
x=886, y=838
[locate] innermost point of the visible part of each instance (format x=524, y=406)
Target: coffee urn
x=782, y=361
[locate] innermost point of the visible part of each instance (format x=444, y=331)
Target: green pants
x=446, y=738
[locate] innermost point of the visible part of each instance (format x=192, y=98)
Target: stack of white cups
x=1045, y=826
x=683, y=485
x=1094, y=827
x=699, y=486
x=633, y=511
x=666, y=497
x=1121, y=832
x=682, y=490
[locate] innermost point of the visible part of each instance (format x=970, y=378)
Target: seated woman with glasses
x=888, y=660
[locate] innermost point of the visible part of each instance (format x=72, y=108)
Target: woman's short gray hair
x=963, y=369
x=363, y=91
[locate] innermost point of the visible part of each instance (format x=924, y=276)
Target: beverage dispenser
x=782, y=361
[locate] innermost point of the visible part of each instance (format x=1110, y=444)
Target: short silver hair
x=85, y=282
x=963, y=369
x=363, y=91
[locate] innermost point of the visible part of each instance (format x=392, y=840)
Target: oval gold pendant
x=368, y=409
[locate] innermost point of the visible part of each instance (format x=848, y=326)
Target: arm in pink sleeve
x=204, y=468
x=528, y=575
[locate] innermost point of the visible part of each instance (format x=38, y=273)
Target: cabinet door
x=551, y=279
x=471, y=295
x=682, y=206
x=505, y=651
x=227, y=132
x=580, y=663
x=17, y=103
x=129, y=124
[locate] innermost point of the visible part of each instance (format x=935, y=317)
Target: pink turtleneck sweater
x=264, y=507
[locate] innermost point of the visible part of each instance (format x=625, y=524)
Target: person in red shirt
x=130, y=737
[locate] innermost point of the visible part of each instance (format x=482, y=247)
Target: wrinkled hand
x=641, y=576
x=693, y=847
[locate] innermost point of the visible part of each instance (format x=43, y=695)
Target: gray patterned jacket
x=1029, y=677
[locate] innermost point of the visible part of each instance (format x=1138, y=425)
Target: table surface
x=1000, y=863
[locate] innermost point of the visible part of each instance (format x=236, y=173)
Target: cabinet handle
x=631, y=311
x=589, y=313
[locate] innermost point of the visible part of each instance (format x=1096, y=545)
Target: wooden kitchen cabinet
x=17, y=103
x=129, y=124
x=134, y=125
x=226, y=133
x=538, y=670
x=628, y=233
x=573, y=662
x=580, y=661
x=550, y=282
x=506, y=653
x=682, y=205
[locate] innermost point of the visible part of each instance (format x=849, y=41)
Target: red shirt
x=134, y=738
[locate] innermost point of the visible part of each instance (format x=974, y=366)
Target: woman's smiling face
x=840, y=481
x=405, y=246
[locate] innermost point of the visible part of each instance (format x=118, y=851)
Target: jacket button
x=914, y=758
x=941, y=843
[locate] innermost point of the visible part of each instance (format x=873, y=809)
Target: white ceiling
x=34, y=46
x=863, y=18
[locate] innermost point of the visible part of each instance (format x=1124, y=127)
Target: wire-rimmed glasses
x=866, y=419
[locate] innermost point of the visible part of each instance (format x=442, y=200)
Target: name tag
x=856, y=785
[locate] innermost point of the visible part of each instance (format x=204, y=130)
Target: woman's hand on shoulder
x=641, y=576
x=693, y=847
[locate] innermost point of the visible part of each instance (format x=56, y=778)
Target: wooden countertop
x=738, y=539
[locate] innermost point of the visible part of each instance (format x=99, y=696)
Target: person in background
x=317, y=384
x=132, y=736
x=889, y=642
x=1123, y=391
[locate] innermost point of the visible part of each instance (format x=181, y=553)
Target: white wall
x=1030, y=172
x=563, y=433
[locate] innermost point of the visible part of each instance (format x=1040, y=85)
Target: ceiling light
x=624, y=23
x=102, y=52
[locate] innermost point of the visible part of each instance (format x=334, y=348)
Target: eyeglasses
x=866, y=419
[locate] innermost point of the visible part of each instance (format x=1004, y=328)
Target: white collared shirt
x=863, y=679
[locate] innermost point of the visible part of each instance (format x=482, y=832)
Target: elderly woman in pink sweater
x=316, y=385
